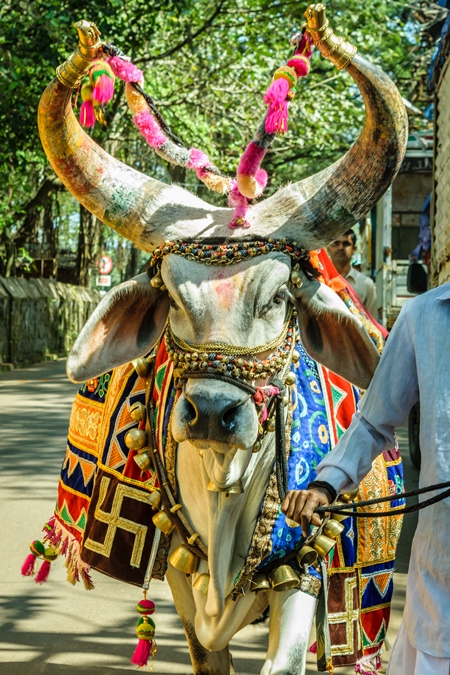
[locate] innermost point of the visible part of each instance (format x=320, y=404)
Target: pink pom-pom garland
x=125, y=70
x=149, y=128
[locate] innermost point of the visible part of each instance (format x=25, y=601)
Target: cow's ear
x=333, y=336
x=126, y=325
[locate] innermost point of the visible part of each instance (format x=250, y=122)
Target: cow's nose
x=205, y=416
x=213, y=410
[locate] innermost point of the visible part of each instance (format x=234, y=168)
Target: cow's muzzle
x=215, y=411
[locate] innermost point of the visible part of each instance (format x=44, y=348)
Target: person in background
x=341, y=252
x=415, y=365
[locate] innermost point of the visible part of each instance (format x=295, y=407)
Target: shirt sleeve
x=384, y=407
x=370, y=302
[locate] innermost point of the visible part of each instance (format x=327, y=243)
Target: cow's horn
x=326, y=204
x=139, y=208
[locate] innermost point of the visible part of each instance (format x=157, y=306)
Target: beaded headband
x=230, y=254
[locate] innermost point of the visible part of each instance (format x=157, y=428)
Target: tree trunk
x=89, y=240
x=133, y=263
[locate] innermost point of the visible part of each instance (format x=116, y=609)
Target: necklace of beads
x=221, y=358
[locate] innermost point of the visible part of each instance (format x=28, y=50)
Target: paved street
x=61, y=630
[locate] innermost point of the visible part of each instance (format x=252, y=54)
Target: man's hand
x=299, y=505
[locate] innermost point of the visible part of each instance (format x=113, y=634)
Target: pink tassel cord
x=240, y=204
x=251, y=160
x=103, y=90
x=27, y=568
x=43, y=572
x=199, y=162
x=142, y=653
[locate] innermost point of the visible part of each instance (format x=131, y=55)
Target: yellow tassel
x=71, y=575
x=89, y=586
x=329, y=667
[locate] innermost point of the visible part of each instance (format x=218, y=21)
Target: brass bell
x=185, y=561
x=291, y=378
x=163, y=522
x=284, y=578
x=154, y=499
x=285, y=400
x=142, y=367
x=256, y=446
x=270, y=424
x=157, y=281
x=338, y=516
x=296, y=278
x=143, y=461
x=295, y=356
x=347, y=497
x=137, y=412
x=323, y=545
x=260, y=582
x=333, y=528
x=135, y=439
x=201, y=583
x=306, y=556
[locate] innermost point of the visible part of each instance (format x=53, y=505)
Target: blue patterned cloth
x=310, y=442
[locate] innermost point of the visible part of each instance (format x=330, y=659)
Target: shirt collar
x=446, y=294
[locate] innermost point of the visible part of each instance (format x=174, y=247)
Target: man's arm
x=384, y=407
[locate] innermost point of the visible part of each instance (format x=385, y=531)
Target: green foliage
x=207, y=64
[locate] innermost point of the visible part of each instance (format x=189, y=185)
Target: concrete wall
x=41, y=318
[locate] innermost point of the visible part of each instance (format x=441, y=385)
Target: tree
x=207, y=65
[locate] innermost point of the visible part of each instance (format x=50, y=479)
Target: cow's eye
x=279, y=298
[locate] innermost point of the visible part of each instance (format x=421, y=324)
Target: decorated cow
x=216, y=382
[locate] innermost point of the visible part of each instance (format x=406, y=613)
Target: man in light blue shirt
x=415, y=365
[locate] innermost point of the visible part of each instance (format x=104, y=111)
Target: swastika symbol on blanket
x=115, y=521
x=351, y=619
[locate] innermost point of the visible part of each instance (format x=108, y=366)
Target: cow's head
x=244, y=304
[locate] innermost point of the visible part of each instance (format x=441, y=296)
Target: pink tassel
x=313, y=648
x=27, y=568
x=103, y=90
x=142, y=653
x=148, y=127
x=277, y=114
x=87, y=115
x=43, y=572
x=125, y=70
